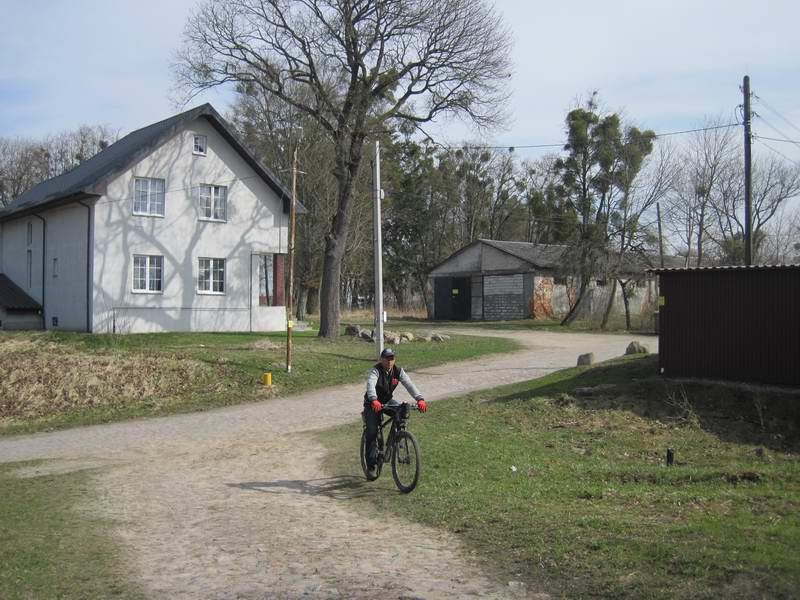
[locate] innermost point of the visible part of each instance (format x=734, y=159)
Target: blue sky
x=667, y=65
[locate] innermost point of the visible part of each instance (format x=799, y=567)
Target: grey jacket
x=372, y=380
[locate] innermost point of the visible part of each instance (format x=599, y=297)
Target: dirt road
x=233, y=503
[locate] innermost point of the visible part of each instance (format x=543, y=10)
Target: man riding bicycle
x=382, y=379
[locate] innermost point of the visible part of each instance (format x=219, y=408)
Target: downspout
x=89, y=275
x=44, y=253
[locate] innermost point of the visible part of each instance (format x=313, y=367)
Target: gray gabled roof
x=91, y=177
x=13, y=298
x=551, y=256
x=544, y=256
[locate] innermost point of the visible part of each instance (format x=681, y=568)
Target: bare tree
x=774, y=182
x=26, y=162
x=688, y=213
x=353, y=66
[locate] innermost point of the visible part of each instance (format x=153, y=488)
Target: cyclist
x=382, y=379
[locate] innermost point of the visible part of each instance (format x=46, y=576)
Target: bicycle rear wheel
x=406, y=461
x=364, y=458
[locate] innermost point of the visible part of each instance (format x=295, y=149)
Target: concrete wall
x=476, y=301
x=255, y=224
x=504, y=297
x=553, y=301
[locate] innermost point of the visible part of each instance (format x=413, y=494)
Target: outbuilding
x=502, y=280
x=735, y=323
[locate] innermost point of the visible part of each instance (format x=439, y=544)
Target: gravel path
x=233, y=503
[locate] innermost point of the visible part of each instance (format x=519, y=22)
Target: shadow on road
x=341, y=487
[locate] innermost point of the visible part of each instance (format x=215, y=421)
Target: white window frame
x=151, y=193
x=211, y=201
x=202, y=148
x=152, y=263
x=209, y=267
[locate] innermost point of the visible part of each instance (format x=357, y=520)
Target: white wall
x=255, y=224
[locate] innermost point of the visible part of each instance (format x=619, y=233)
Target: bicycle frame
x=397, y=420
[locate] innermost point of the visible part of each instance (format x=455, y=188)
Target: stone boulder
x=586, y=359
x=438, y=337
x=407, y=336
x=365, y=335
x=636, y=348
x=352, y=330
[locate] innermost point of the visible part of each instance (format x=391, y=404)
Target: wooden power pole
x=290, y=284
x=748, y=182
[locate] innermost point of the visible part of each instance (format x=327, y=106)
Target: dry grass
x=39, y=377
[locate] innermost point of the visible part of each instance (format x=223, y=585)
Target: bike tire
x=364, y=459
x=406, y=461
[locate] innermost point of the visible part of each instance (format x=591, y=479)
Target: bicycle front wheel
x=406, y=461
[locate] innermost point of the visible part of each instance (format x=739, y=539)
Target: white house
x=175, y=227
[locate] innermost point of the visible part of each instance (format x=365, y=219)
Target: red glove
x=422, y=405
x=377, y=406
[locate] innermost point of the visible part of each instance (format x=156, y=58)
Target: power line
x=776, y=113
x=763, y=137
x=778, y=131
x=512, y=147
x=759, y=139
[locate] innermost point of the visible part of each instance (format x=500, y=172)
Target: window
x=211, y=276
x=200, y=145
x=148, y=273
x=30, y=233
x=148, y=196
x=30, y=269
x=213, y=202
x=266, y=279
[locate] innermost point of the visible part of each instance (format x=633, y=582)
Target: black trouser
x=372, y=420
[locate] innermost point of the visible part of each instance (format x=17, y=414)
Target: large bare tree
x=353, y=66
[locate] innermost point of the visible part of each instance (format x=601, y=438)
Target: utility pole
x=290, y=285
x=660, y=239
x=748, y=183
x=378, y=192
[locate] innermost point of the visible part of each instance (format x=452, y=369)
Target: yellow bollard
x=266, y=379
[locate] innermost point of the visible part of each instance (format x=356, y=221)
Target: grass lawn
x=48, y=548
x=572, y=494
x=54, y=380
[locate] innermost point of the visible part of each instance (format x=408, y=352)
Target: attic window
x=200, y=145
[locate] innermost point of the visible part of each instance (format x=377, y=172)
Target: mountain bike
x=400, y=448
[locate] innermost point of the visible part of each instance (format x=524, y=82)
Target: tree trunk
x=312, y=305
x=624, y=285
x=573, y=312
x=609, y=306
x=347, y=164
x=302, y=298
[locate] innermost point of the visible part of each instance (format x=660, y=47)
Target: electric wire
x=776, y=113
x=763, y=143
x=778, y=131
x=512, y=147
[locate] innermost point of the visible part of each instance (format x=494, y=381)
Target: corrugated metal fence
x=735, y=323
